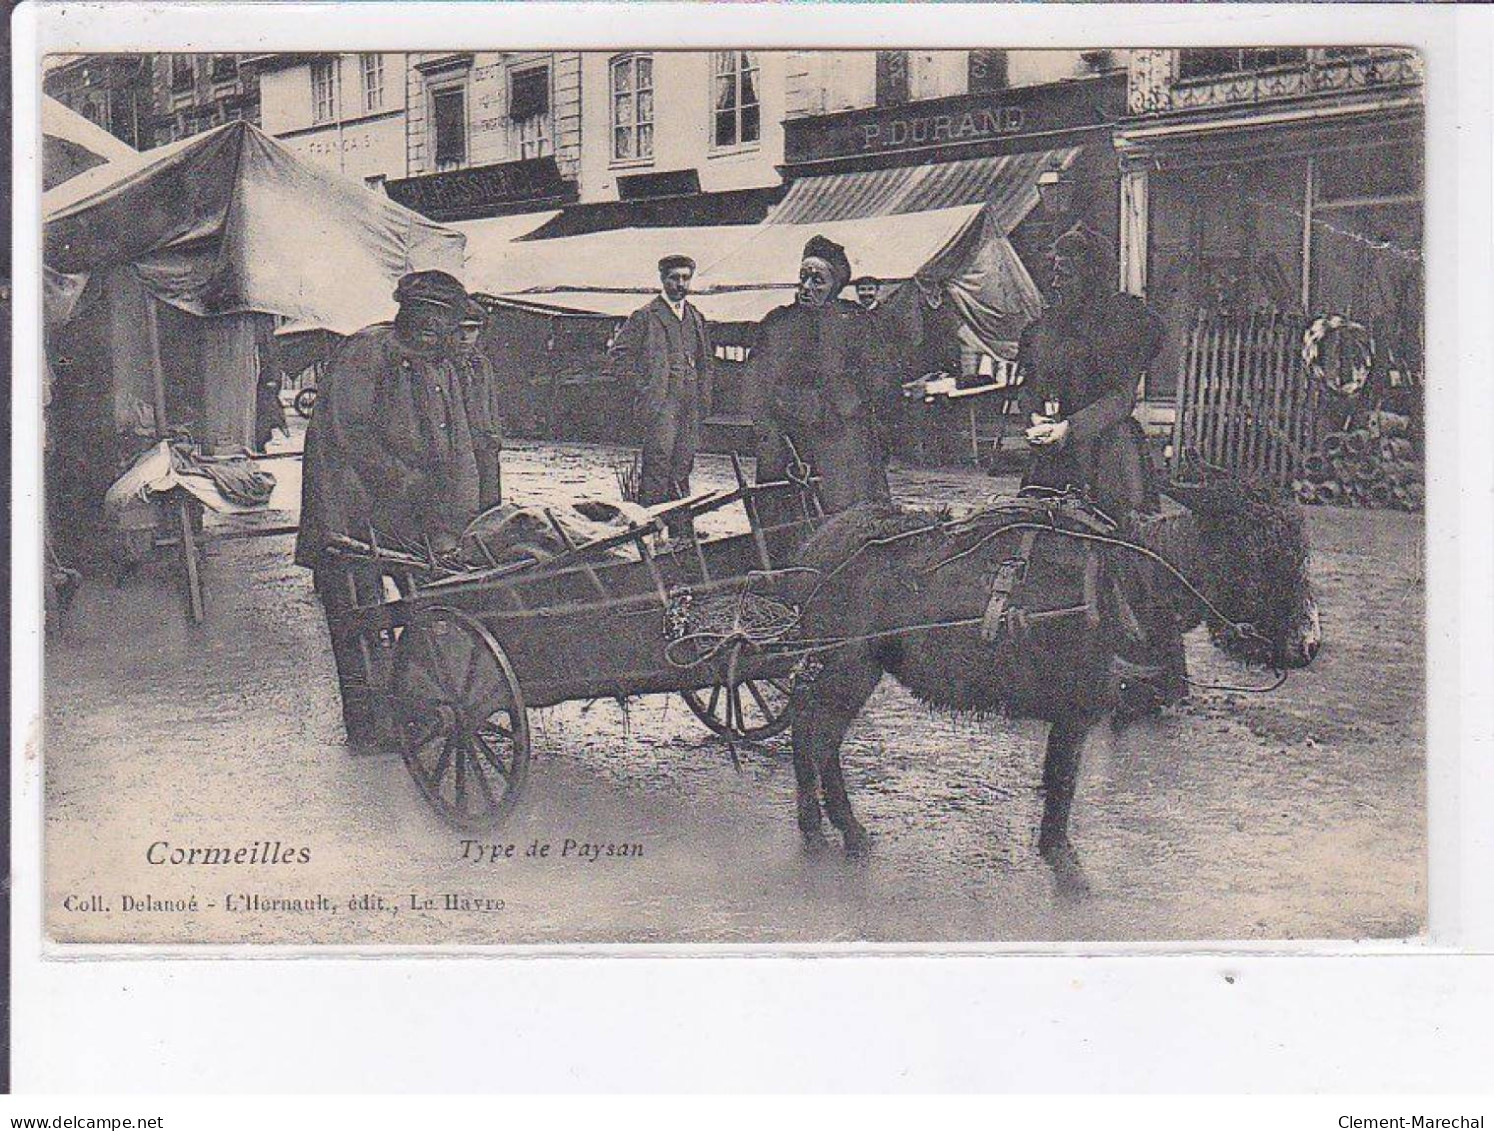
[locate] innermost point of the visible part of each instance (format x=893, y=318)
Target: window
x=377, y=182
x=182, y=72
x=449, y=116
x=529, y=112
x=737, y=115
x=372, y=67
x=633, y=108
x=1199, y=62
x=323, y=91
x=987, y=71
x=225, y=68
x=892, y=78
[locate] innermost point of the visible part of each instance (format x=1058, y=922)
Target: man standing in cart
x=484, y=412
x=390, y=460
x=819, y=398
x=664, y=349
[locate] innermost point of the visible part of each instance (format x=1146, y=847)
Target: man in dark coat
x=815, y=396
x=665, y=350
x=390, y=458
x=1081, y=363
x=482, y=398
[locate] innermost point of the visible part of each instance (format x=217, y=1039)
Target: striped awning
x=1008, y=185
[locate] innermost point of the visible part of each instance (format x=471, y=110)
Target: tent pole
x=158, y=372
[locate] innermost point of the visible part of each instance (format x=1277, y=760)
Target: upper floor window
x=372, y=67
x=894, y=86
x=225, y=68
x=737, y=112
x=987, y=71
x=633, y=108
x=183, y=73
x=323, y=90
x=1202, y=62
x=449, y=119
x=529, y=112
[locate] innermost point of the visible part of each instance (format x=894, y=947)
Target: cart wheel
x=742, y=708
x=464, y=730
x=305, y=401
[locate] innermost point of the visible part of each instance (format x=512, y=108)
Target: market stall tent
x=71, y=144
x=230, y=227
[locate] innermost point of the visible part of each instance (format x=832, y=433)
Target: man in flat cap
x=664, y=349
x=484, y=407
x=390, y=457
x=815, y=396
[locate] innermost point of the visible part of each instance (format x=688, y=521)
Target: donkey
x=1039, y=610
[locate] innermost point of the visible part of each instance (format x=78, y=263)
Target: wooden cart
x=468, y=655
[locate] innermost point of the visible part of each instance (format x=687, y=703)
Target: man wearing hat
x=664, y=349
x=390, y=458
x=815, y=394
x=484, y=410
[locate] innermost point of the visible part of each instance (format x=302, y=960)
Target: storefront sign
x=485, y=190
x=985, y=122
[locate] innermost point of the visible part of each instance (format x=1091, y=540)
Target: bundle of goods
x=1372, y=465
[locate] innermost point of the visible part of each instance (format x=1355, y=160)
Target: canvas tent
x=947, y=226
x=166, y=273
x=228, y=227
x=71, y=144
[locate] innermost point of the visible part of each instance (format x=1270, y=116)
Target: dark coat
x=485, y=417
x=389, y=448
x=1089, y=359
x=640, y=352
x=814, y=383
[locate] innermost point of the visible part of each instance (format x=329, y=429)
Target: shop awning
x=1006, y=184
x=743, y=270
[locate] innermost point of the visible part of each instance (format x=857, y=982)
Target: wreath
x=1339, y=353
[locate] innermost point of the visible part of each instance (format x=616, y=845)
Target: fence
x=1246, y=401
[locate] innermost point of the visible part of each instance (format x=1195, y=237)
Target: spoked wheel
x=305, y=401
x=463, y=727
x=742, y=708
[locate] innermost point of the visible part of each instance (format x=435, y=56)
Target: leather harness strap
x=1009, y=574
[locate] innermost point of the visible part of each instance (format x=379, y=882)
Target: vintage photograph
x=744, y=497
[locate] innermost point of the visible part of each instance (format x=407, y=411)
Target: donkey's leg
x=821, y=718
x=1060, y=779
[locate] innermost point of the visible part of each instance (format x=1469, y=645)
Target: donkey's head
x=1254, y=557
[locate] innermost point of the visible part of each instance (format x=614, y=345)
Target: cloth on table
x=230, y=485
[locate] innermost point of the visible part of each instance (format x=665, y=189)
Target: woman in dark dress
x=1082, y=362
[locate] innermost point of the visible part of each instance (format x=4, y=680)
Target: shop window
x=892, y=78
x=183, y=73
x=633, y=108
x=449, y=120
x=323, y=91
x=737, y=113
x=372, y=68
x=529, y=112
x=987, y=71
x=1206, y=62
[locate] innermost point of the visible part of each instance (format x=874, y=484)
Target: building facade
x=112, y=91
x=345, y=112
x=1283, y=179
x=490, y=133
x=191, y=93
